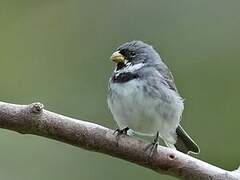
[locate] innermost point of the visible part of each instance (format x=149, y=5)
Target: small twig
x=33, y=119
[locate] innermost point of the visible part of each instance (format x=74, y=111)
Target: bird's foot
x=153, y=146
x=156, y=139
x=121, y=131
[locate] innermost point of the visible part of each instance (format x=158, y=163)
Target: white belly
x=132, y=107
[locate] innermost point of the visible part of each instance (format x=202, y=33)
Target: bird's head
x=134, y=52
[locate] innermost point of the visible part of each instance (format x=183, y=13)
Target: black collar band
x=124, y=77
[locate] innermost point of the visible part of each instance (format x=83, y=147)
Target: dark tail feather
x=184, y=142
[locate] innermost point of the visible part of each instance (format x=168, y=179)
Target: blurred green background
x=57, y=52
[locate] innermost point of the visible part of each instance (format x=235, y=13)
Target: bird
x=142, y=97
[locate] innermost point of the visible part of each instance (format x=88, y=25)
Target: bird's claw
x=153, y=146
x=121, y=131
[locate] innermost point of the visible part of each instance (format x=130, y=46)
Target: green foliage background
x=57, y=52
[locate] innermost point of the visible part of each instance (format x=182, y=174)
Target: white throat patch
x=129, y=68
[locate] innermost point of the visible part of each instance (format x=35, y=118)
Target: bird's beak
x=117, y=57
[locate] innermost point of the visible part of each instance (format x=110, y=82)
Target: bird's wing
x=167, y=75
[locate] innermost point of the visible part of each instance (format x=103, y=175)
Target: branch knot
x=36, y=107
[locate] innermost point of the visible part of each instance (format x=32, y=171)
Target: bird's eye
x=132, y=53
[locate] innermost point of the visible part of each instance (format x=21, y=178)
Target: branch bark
x=33, y=119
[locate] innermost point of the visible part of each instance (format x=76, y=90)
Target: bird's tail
x=184, y=142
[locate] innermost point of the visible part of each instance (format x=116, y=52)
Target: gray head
x=135, y=52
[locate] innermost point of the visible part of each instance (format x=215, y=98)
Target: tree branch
x=33, y=119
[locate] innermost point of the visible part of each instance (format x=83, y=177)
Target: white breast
x=132, y=107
